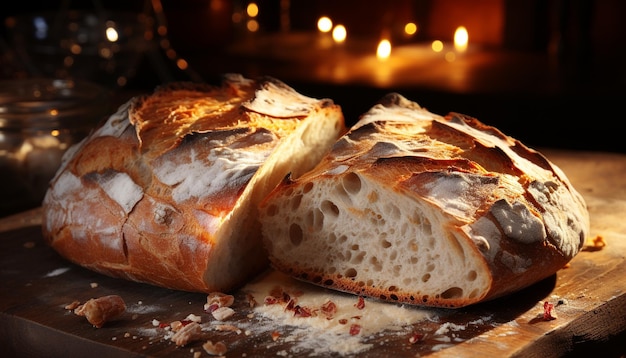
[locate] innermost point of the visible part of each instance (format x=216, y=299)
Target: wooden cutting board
x=36, y=285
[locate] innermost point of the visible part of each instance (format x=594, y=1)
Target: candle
x=339, y=34
x=324, y=25
x=383, y=51
x=461, y=39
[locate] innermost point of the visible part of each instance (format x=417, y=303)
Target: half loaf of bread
x=414, y=207
x=166, y=190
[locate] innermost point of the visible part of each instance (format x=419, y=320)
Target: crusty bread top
x=418, y=148
x=166, y=189
x=420, y=208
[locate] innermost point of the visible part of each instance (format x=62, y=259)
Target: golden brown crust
x=414, y=207
x=165, y=191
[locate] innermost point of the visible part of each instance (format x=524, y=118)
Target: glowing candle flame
x=252, y=9
x=437, y=46
x=410, y=28
x=384, y=49
x=324, y=24
x=111, y=34
x=461, y=38
x=339, y=33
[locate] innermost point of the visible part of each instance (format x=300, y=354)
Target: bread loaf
x=166, y=191
x=414, y=207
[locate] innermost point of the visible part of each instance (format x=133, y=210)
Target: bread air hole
x=329, y=208
x=295, y=234
x=377, y=220
x=377, y=265
x=295, y=202
x=385, y=244
x=358, y=258
x=452, y=292
x=472, y=275
x=397, y=269
x=351, y=183
x=473, y=294
x=307, y=187
x=314, y=219
x=272, y=210
x=350, y=273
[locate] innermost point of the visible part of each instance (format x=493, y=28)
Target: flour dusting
x=315, y=328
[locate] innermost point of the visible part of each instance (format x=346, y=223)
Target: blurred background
x=551, y=73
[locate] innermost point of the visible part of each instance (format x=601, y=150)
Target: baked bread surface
x=414, y=207
x=166, y=190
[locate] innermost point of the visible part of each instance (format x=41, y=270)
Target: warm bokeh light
x=461, y=39
x=324, y=24
x=111, y=34
x=252, y=25
x=340, y=33
x=182, y=64
x=76, y=49
x=162, y=30
x=383, y=50
x=237, y=17
x=410, y=28
x=252, y=10
x=437, y=46
x=450, y=56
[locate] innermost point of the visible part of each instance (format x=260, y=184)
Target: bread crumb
x=216, y=349
x=193, y=318
x=275, y=335
x=100, y=310
x=228, y=328
x=93, y=284
x=595, y=244
x=223, y=313
x=188, y=333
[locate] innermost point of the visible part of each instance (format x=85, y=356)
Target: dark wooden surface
x=36, y=285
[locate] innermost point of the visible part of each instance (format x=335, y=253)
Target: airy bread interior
x=352, y=228
x=414, y=207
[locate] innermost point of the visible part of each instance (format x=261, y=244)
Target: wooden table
x=36, y=285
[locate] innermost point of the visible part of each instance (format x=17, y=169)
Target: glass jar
x=39, y=120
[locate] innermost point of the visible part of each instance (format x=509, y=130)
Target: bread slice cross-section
x=414, y=207
x=166, y=190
